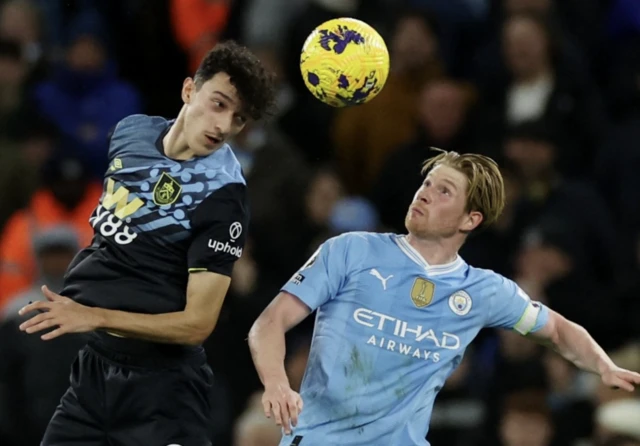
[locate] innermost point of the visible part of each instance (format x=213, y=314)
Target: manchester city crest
x=460, y=303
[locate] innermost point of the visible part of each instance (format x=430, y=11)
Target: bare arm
x=205, y=294
x=267, y=336
x=575, y=344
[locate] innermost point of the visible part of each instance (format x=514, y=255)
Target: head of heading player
x=230, y=87
x=460, y=193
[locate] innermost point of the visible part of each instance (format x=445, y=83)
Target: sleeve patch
x=528, y=320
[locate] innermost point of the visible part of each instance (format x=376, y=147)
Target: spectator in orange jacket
x=67, y=197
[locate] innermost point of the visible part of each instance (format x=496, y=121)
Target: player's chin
x=208, y=149
x=411, y=223
x=416, y=223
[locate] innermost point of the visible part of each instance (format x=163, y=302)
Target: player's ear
x=188, y=90
x=471, y=221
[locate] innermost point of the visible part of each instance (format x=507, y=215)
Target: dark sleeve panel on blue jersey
x=219, y=226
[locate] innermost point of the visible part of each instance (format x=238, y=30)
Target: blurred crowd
x=549, y=88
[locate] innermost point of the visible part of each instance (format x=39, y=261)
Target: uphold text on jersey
x=225, y=247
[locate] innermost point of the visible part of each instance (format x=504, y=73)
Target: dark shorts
x=124, y=393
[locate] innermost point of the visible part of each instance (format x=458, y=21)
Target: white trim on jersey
x=433, y=270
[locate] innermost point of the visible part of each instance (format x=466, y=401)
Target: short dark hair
x=254, y=83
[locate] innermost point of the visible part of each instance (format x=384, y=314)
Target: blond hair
x=485, y=186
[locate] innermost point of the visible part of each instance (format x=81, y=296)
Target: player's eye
x=241, y=119
x=427, y=183
x=445, y=191
x=218, y=104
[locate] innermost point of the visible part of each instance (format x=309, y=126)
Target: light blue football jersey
x=389, y=330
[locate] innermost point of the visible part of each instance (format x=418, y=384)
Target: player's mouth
x=415, y=211
x=213, y=140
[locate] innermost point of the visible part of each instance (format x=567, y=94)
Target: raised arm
x=576, y=345
x=511, y=308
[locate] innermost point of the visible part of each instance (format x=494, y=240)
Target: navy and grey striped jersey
x=158, y=219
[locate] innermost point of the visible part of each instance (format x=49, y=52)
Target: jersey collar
x=433, y=270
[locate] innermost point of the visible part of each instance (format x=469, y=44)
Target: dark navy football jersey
x=158, y=220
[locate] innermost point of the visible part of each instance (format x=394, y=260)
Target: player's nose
x=424, y=197
x=223, y=124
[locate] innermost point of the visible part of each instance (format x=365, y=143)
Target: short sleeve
x=321, y=277
x=513, y=309
x=219, y=226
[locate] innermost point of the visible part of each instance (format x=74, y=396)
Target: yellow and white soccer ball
x=344, y=62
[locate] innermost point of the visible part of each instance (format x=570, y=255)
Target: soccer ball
x=344, y=62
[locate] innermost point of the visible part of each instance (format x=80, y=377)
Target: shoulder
x=488, y=282
x=141, y=122
x=355, y=238
x=223, y=167
x=496, y=286
x=224, y=177
x=228, y=192
x=227, y=203
x=135, y=130
x=359, y=243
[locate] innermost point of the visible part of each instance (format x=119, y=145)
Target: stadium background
x=551, y=88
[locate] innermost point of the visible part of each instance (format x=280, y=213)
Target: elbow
x=198, y=332
x=254, y=334
x=555, y=341
x=195, y=338
x=566, y=331
x=261, y=327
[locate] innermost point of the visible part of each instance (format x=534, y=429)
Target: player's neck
x=435, y=251
x=174, y=142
